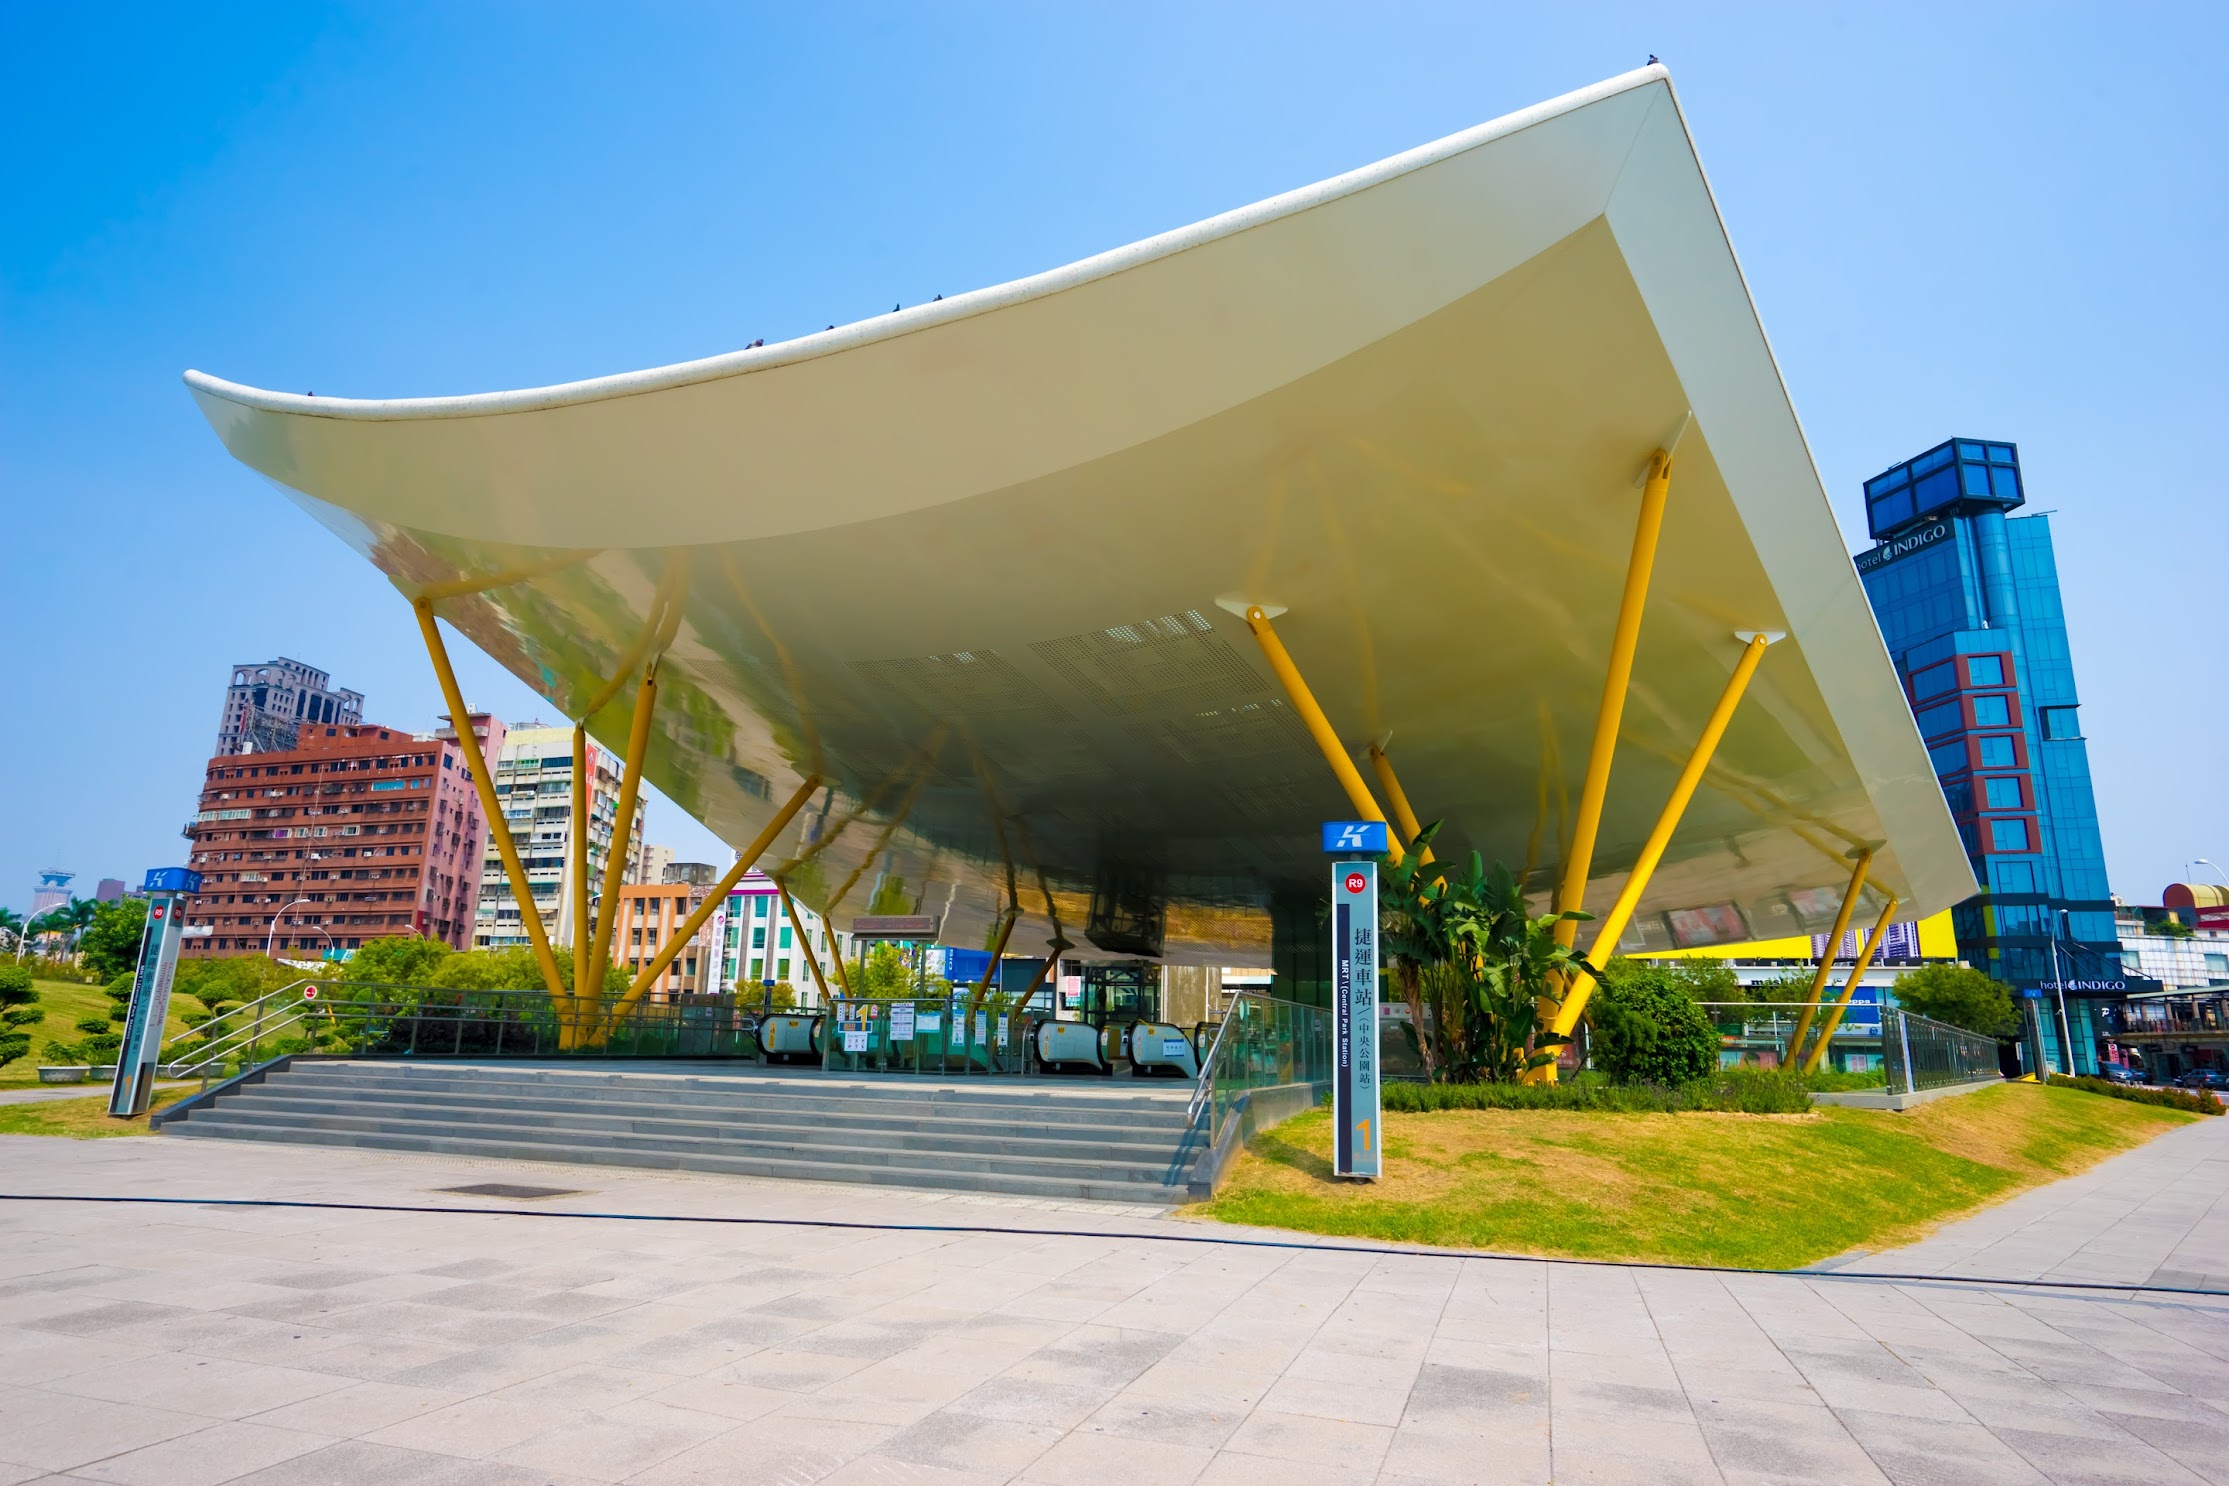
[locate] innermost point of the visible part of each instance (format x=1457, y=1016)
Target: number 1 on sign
x=1364, y=1127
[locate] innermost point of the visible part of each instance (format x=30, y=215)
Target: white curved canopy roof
x=1409, y=405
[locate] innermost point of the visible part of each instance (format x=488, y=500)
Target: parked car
x=2121, y=1073
x=2205, y=1078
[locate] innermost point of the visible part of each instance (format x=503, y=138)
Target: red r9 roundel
x=1356, y=882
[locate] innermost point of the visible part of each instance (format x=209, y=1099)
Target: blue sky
x=1997, y=220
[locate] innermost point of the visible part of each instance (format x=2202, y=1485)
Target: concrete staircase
x=1100, y=1139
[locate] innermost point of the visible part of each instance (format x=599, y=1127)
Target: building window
x=1985, y=670
x=1933, y=682
x=1997, y=753
x=1936, y=721
x=1948, y=758
x=783, y=968
x=2003, y=793
x=785, y=939
x=1993, y=712
x=758, y=937
x=758, y=970
x=2217, y=965
x=2062, y=723
x=2008, y=835
x=759, y=905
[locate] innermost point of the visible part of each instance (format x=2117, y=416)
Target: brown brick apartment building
x=356, y=833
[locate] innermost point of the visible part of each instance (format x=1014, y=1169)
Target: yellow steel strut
x=1857, y=973
x=1834, y=947
x=1319, y=727
x=1606, y=938
x=483, y=784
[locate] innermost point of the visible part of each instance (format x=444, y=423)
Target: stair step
x=1033, y=1139
x=1089, y=1120
x=589, y=1117
x=1010, y=1184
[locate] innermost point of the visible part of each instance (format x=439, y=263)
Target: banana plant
x=1473, y=966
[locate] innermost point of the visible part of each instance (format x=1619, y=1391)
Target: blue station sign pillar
x=1358, y=1135
x=167, y=890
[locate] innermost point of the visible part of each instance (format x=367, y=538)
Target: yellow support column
x=1574, y=1003
x=1834, y=947
x=1319, y=726
x=583, y=931
x=1609, y=714
x=483, y=784
x=1849, y=989
x=622, y=830
x=812, y=961
x=712, y=900
x=1398, y=798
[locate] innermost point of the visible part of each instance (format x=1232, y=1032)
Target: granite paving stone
x=196, y=1344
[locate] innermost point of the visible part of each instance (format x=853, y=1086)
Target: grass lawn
x=64, y=1002
x=79, y=1119
x=1770, y=1191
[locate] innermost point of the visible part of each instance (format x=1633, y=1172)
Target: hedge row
x=1735, y=1090
x=2196, y=1103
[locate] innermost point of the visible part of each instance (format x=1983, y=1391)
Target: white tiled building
x=534, y=784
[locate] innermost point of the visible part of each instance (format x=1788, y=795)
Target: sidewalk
x=2157, y=1215
x=196, y=1344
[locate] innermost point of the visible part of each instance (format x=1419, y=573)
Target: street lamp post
x=2202, y=862
x=269, y=938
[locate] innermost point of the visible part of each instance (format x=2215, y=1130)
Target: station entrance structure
x=1475, y=460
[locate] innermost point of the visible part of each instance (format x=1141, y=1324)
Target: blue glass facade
x=1968, y=600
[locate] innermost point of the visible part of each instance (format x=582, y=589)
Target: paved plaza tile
x=883, y=1337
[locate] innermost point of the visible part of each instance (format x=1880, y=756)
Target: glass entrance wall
x=922, y=1034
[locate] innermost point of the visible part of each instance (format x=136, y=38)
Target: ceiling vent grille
x=1173, y=662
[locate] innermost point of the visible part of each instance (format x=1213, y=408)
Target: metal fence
x=1263, y=1042
x=1926, y=1054
x=433, y=1022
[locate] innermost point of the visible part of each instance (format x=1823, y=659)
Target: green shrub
x=23, y=1016
x=1731, y=1090
x=13, y=1045
x=2190, y=1099
x=16, y=988
x=1828, y=1081
x=1647, y=1028
x=92, y=1024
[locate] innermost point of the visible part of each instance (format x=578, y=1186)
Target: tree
x=1961, y=996
x=19, y=1000
x=397, y=961
x=1647, y=1028
x=110, y=942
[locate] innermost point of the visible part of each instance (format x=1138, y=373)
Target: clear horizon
x=2003, y=223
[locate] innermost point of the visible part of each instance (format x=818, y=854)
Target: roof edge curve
x=923, y=316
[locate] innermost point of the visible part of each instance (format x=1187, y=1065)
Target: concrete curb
x=1882, y=1099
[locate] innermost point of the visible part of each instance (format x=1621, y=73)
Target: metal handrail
x=1203, y=1088
x=202, y=1029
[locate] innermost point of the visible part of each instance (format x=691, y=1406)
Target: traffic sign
x=1349, y=837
